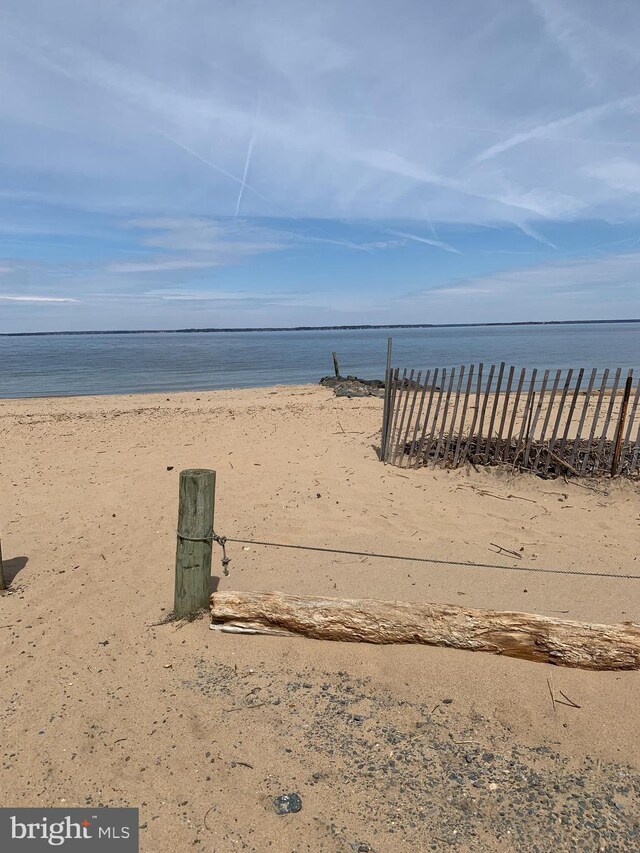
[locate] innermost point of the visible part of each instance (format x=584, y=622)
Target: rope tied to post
x=213, y=537
x=222, y=541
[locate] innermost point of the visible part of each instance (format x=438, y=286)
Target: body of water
x=62, y=365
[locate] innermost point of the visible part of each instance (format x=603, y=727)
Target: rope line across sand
x=224, y=539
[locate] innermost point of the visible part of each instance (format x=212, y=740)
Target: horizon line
x=347, y=327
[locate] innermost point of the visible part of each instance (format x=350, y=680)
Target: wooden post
x=336, y=367
x=619, y=432
x=3, y=583
x=387, y=401
x=195, y=531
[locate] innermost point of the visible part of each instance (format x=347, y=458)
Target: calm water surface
x=135, y=363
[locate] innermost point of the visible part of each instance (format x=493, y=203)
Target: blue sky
x=172, y=163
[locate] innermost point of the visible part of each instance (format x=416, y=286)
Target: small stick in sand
x=570, y=701
x=506, y=550
x=566, y=465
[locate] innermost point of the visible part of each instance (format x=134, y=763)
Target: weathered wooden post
x=617, y=447
x=336, y=367
x=195, y=541
x=386, y=412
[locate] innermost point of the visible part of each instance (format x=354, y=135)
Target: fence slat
x=545, y=422
x=392, y=411
x=432, y=391
x=583, y=415
x=445, y=415
x=572, y=407
x=463, y=416
x=407, y=394
x=556, y=425
x=528, y=407
x=534, y=423
x=403, y=455
x=432, y=432
x=616, y=446
x=503, y=416
x=607, y=420
x=485, y=401
x=494, y=408
x=594, y=423
x=547, y=417
x=507, y=443
x=418, y=417
x=400, y=391
x=476, y=412
x=635, y=454
x=451, y=434
x=632, y=417
x=392, y=394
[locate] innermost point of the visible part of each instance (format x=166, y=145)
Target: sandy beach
x=390, y=748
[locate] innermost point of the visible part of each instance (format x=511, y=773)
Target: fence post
x=387, y=400
x=336, y=366
x=195, y=531
x=619, y=432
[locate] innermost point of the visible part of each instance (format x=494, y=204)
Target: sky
x=206, y=163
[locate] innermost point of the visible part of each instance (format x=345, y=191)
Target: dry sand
x=200, y=730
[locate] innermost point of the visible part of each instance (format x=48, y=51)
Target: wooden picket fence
x=561, y=422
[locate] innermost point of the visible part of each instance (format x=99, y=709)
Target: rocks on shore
x=352, y=386
x=436, y=778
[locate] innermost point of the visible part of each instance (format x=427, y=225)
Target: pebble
x=287, y=804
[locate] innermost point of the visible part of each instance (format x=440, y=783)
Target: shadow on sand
x=12, y=567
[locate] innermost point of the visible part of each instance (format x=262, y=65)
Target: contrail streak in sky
x=249, y=152
x=246, y=169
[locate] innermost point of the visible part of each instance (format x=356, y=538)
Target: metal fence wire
x=573, y=422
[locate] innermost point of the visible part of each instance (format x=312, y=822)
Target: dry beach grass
x=390, y=748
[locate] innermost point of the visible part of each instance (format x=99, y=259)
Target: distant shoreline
x=363, y=327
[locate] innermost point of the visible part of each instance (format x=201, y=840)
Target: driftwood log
x=519, y=635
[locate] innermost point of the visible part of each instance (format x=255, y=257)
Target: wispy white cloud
x=160, y=266
x=192, y=295
x=534, y=121
x=623, y=175
x=460, y=290
x=343, y=132
x=535, y=235
x=582, y=117
x=239, y=299
x=20, y=298
x=202, y=243
x=608, y=278
x=439, y=244
x=571, y=34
